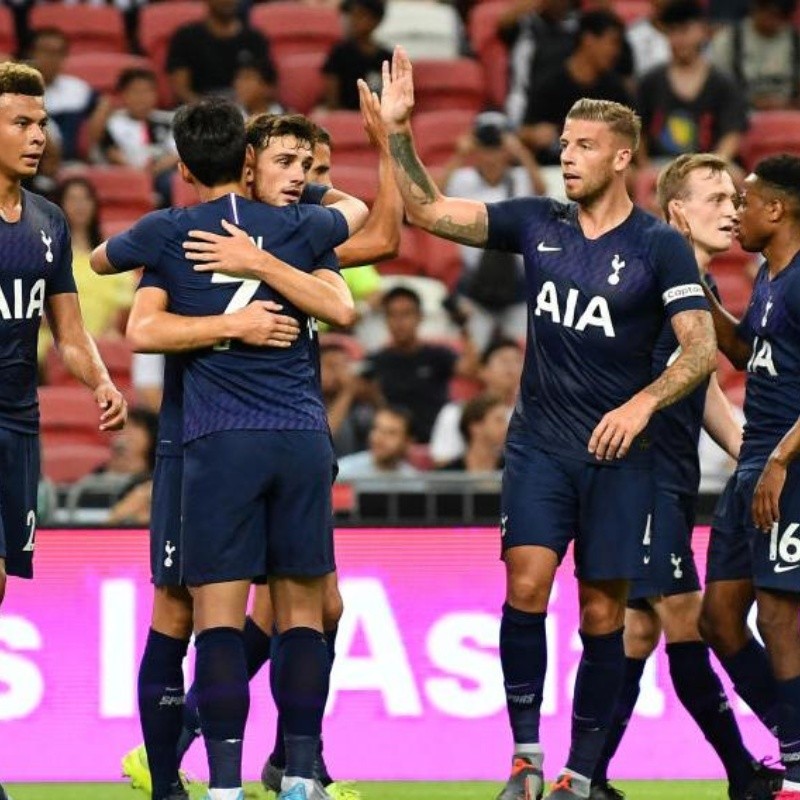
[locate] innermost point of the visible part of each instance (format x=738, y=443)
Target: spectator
x=409, y=372
x=70, y=101
x=648, y=40
x=588, y=72
x=540, y=35
x=140, y=135
x=689, y=105
x=389, y=441
x=203, y=56
x=501, y=368
x=147, y=375
x=483, y=426
x=762, y=54
x=256, y=90
x=359, y=55
x=349, y=401
x=492, y=287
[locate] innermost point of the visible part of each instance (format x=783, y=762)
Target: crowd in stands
x=426, y=378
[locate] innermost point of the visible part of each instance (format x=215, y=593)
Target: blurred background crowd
x=420, y=390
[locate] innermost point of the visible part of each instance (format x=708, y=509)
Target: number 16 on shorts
x=784, y=547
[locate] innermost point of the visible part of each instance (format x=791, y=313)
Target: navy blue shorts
x=165, y=521
x=257, y=503
x=776, y=555
x=548, y=500
x=672, y=567
x=19, y=487
x=729, y=557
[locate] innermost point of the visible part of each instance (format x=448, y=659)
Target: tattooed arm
x=616, y=431
x=463, y=221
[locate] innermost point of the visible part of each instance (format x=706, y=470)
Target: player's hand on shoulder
x=614, y=434
x=260, y=325
x=113, y=408
x=397, y=93
x=767, y=495
x=232, y=254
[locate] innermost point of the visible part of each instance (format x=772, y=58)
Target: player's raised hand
x=397, y=94
x=767, y=496
x=234, y=254
x=113, y=408
x=262, y=326
x=371, y=115
x=614, y=434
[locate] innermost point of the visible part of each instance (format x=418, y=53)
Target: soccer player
x=251, y=419
x=758, y=516
x=602, y=277
x=36, y=279
x=696, y=193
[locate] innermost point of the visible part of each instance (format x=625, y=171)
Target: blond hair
x=16, y=78
x=621, y=119
x=673, y=178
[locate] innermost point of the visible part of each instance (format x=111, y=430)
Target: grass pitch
x=661, y=790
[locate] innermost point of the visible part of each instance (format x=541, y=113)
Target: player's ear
x=674, y=208
x=186, y=176
x=623, y=158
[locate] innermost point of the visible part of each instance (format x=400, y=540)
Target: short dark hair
x=211, y=140
x=401, y=291
x=785, y=8
x=377, y=8
x=597, y=22
x=679, y=12
x=475, y=410
x=497, y=344
x=402, y=413
x=263, y=67
x=95, y=236
x=262, y=128
x=131, y=74
x=781, y=173
x=21, y=79
x=322, y=136
x=49, y=32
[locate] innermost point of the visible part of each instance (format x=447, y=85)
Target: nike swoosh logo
x=543, y=248
x=785, y=567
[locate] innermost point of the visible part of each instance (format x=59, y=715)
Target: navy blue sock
x=161, y=707
x=278, y=755
x=523, y=656
x=257, y=647
x=752, y=677
x=190, y=728
x=789, y=727
x=702, y=695
x=626, y=702
x=597, y=688
x=300, y=676
x=223, y=699
x=323, y=775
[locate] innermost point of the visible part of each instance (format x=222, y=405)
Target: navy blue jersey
x=772, y=395
x=597, y=307
x=675, y=430
x=235, y=386
x=36, y=263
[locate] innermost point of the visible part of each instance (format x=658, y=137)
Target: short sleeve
x=506, y=222
x=327, y=230
x=62, y=280
x=677, y=273
x=328, y=260
x=151, y=279
x=313, y=193
x=179, y=47
x=140, y=245
x=731, y=107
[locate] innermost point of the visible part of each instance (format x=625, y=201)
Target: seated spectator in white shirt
x=140, y=135
x=389, y=442
x=501, y=368
x=483, y=425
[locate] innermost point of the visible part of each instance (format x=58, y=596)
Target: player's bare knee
x=680, y=615
x=642, y=631
x=172, y=612
x=261, y=611
x=298, y=602
x=525, y=593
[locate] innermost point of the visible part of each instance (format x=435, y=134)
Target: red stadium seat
x=297, y=28
x=644, y=189
x=116, y=355
x=89, y=29
x=441, y=258
x=627, y=10
x=101, y=70
x=490, y=49
x=443, y=85
x=771, y=132
x=300, y=83
x=462, y=389
x=69, y=415
x=436, y=133
x=410, y=258
x=361, y=182
x=67, y=463
x=125, y=193
x=157, y=23
x=353, y=347
x=8, y=36
x=350, y=143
